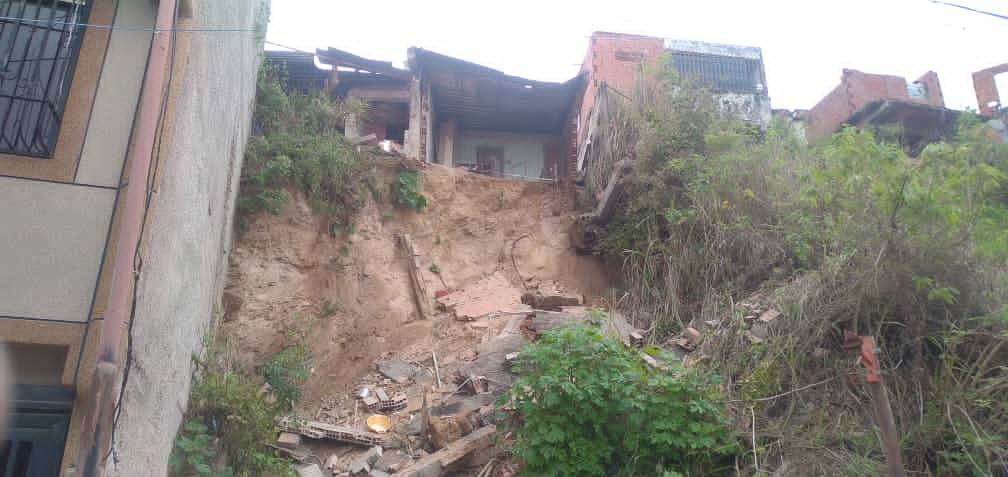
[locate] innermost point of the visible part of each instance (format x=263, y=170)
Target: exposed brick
x=986, y=89
x=857, y=89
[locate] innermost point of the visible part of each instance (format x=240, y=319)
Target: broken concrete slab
x=309, y=470
x=289, y=440
x=769, y=316
x=612, y=323
x=361, y=466
x=491, y=362
x=397, y=370
x=550, y=301
x=391, y=461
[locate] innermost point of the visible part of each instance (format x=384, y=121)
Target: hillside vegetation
x=848, y=235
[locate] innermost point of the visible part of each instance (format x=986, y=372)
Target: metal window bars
x=39, y=42
x=722, y=73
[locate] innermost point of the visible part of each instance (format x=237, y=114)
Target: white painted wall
x=185, y=265
x=524, y=154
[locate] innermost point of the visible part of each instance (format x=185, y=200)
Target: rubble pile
x=423, y=417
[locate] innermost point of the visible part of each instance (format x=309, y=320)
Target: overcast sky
x=806, y=43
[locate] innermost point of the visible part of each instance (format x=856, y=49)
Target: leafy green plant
x=228, y=414
x=587, y=406
x=407, y=191
x=194, y=453
x=287, y=371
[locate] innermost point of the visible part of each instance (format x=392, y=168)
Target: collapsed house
x=449, y=111
x=914, y=111
x=989, y=83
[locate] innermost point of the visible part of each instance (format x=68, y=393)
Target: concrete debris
x=395, y=402
x=289, y=440
x=432, y=465
x=309, y=470
x=397, y=370
x=769, y=316
x=322, y=430
x=412, y=427
x=693, y=335
x=752, y=337
x=683, y=343
x=331, y=463
x=636, y=340
x=391, y=462
x=614, y=323
x=361, y=466
x=380, y=394
x=554, y=301
x=491, y=363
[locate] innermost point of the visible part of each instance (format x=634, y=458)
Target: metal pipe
x=103, y=384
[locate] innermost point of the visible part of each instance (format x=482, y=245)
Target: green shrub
x=287, y=371
x=194, y=453
x=407, y=191
x=227, y=414
x=301, y=147
x=587, y=406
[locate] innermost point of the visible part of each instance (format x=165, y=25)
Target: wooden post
x=883, y=410
x=419, y=289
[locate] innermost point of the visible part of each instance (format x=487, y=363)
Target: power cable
x=971, y=9
x=93, y=26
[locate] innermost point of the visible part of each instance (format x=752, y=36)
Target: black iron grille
x=722, y=73
x=39, y=41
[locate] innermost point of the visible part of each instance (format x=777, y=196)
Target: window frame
x=45, y=123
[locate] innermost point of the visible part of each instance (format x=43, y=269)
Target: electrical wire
x=93, y=26
x=152, y=174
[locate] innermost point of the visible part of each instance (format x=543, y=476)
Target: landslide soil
x=353, y=292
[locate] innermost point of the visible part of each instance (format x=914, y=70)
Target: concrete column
x=446, y=143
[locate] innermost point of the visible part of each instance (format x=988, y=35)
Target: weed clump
x=301, y=147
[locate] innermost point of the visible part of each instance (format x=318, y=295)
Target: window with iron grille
x=721, y=73
x=39, y=41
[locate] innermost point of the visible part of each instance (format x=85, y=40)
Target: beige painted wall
x=52, y=238
x=108, y=132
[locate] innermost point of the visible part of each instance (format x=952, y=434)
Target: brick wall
x=858, y=89
x=616, y=59
x=986, y=88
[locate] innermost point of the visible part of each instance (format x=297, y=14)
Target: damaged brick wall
x=858, y=89
x=988, y=97
x=616, y=59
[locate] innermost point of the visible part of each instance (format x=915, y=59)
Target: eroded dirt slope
x=288, y=270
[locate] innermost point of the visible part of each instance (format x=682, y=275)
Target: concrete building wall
x=189, y=229
x=857, y=89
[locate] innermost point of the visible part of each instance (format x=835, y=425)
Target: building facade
x=117, y=200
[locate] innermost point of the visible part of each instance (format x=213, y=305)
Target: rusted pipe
x=103, y=384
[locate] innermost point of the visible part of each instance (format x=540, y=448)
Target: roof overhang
x=482, y=98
